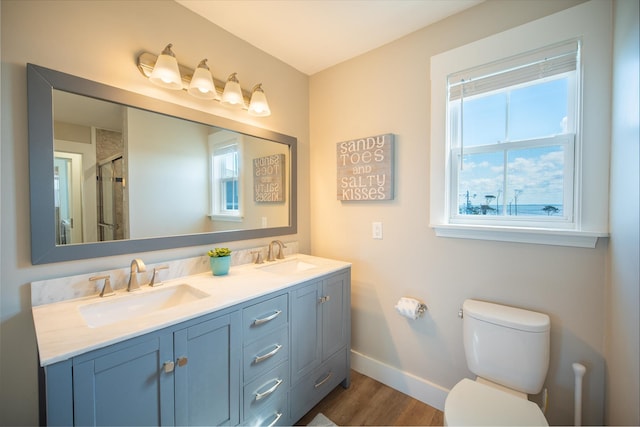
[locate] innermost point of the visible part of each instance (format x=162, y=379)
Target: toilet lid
x=470, y=403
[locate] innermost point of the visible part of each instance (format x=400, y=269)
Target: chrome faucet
x=137, y=266
x=270, y=256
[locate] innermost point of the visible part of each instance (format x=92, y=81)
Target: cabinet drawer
x=315, y=386
x=267, y=395
x=265, y=353
x=264, y=317
x=274, y=414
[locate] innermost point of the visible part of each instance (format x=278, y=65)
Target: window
x=226, y=189
x=511, y=139
x=574, y=157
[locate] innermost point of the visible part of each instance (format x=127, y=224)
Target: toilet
x=508, y=349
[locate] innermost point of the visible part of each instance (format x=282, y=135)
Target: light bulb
x=202, y=85
x=166, y=72
x=232, y=95
x=259, y=106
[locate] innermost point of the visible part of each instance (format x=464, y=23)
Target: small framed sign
x=268, y=178
x=365, y=168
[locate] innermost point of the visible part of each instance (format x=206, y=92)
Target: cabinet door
x=126, y=387
x=306, y=332
x=335, y=306
x=207, y=372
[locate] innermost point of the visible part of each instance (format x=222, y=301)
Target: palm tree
x=550, y=209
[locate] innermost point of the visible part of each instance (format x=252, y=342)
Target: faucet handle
x=281, y=251
x=259, y=259
x=154, y=278
x=107, y=291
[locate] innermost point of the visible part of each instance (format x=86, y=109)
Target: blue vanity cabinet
x=185, y=375
x=265, y=370
x=321, y=335
x=207, y=372
x=125, y=384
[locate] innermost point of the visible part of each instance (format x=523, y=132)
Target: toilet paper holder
x=416, y=310
x=422, y=308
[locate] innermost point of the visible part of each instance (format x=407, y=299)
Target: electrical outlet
x=376, y=230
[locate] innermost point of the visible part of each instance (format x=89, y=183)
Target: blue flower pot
x=220, y=265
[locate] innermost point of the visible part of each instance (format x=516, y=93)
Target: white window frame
x=589, y=22
x=225, y=141
x=571, y=50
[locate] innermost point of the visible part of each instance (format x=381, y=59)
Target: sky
x=497, y=122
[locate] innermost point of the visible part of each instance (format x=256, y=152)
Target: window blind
x=546, y=62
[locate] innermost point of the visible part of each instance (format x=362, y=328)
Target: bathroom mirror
x=114, y=172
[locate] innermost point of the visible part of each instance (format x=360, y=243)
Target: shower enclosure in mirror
x=115, y=172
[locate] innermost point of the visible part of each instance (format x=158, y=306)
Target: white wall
x=155, y=161
x=388, y=90
x=622, y=341
x=100, y=40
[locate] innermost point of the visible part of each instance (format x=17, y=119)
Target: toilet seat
x=471, y=403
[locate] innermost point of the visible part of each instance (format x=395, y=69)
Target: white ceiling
x=311, y=35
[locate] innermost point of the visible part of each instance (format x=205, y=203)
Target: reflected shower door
x=110, y=199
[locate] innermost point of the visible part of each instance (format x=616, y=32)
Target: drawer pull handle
x=324, y=380
x=258, y=322
x=260, y=396
x=324, y=299
x=182, y=361
x=272, y=353
x=168, y=367
x=278, y=416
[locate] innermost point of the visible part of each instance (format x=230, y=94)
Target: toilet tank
x=506, y=345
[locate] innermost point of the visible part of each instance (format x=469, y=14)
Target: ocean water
x=515, y=210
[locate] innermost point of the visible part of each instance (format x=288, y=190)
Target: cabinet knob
x=324, y=299
x=182, y=361
x=168, y=367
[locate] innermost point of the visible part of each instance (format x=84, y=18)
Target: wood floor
x=368, y=402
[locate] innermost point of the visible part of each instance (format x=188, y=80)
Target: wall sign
x=268, y=178
x=365, y=168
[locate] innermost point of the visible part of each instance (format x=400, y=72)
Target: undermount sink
x=288, y=266
x=134, y=305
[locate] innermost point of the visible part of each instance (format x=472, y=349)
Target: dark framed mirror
x=114, y=172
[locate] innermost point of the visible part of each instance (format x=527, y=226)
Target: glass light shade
x=166, y=72
x=232, y=95
x=202, y=85
x=259, y=105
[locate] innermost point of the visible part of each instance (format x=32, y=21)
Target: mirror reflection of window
x=226, y=185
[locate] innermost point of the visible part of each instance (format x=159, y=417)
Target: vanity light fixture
x=201, y=85
x=232, y=95
x=164, y=70
x=259, y=105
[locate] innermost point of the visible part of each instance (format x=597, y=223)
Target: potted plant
x=220, y=261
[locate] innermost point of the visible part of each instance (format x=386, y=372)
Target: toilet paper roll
x=410, y=307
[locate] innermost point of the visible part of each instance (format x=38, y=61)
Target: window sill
x=227, y=218
x=540, y=236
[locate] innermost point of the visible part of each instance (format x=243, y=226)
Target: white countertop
x=62, y=332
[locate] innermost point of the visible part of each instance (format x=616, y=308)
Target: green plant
x=219, y=252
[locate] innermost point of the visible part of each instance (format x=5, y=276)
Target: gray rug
x=321, y=420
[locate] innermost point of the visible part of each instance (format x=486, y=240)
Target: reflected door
x=67, y=169
x=110, y=199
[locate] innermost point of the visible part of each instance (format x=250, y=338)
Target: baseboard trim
x=409, y=384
